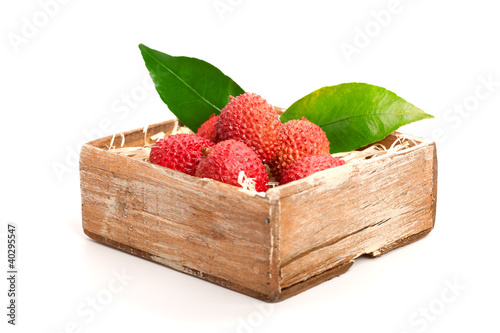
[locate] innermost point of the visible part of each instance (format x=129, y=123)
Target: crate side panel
x=196, y=223
x=367, y=240
x=393, y=196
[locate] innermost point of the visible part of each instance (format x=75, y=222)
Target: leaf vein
x=363, y=115
x=185, y=83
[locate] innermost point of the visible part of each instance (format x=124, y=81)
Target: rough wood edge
x=136, y=135
x=344, y=267
x=178, y=267
x=283, y=190
x=275, y=259
x=322, y=177
x=313, y=281
x=284, y=293
x=91, y=149
x=399, y=243
x=271, y=298
x=434, y=183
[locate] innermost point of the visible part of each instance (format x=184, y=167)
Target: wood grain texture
x=146, y=255
x=271, y=248
x=182, y=221
x=359, y=208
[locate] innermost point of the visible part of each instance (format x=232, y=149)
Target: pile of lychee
x=247, y=136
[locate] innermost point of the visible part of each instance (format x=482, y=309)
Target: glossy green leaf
x=354, y=115
x=192, y=88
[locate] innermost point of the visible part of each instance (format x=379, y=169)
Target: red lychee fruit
x=181, y=152
x=301, y=138
x=208, y=129
x=308, y=165
x=250, y=119
x=227, y=159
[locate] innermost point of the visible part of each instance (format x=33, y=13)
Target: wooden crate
x=271, y=247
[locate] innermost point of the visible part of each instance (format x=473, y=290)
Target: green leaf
x=354, y=115
x=192, y=88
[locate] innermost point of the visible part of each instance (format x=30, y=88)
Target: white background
x=67, y=79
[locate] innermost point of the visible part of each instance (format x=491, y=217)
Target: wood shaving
x=142, y=153
x=248, y=184
x=377, y=149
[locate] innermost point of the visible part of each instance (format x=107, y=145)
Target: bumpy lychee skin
x=250, y=119
x=225, y=161
x=301, y=138
x=208, y=129
x=181, y=152
x=308, y=165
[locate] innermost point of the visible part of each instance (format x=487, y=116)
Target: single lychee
x=181, y=152
x=301, y=138
x=208, y=129
x=227, y=159
x=250, y=119
x=308, y=165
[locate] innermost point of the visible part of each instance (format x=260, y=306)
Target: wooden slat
x=182, y=221
x=355, y=209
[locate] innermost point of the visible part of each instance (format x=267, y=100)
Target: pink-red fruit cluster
x=225, y=161
x=309, y=165
x=181, y=152
x=301, y=138
x=250, y=119
x=245, y=136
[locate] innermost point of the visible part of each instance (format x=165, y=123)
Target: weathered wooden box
x=271, y=247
